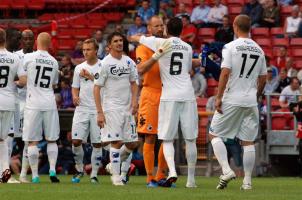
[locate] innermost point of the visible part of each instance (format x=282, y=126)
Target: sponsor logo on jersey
x=119, y=71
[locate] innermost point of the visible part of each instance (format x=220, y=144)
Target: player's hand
x=76, y=101
x=101, y=120
x=218, y=103
x=85, y=74
x=134, y=108
x=165, y=47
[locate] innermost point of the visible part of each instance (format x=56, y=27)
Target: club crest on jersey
x=138, y=60
x=175, y=41
x=114, y=70
x=96, y=76
x=149, y=128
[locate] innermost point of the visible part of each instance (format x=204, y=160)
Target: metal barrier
x=279, y=142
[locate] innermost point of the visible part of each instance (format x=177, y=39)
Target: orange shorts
x=148, y=111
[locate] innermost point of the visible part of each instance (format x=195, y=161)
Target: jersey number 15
x=45, y=78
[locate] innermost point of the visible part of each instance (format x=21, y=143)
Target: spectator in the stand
x=119, y=28
x=77, y=56
x=299, y=75
x=225, y=34
x=216, y=14
x=281, y=59
x=271, y=82
x=182, y=10
x=271, y=14
x=291, y=71
x=165, y=11
x=292, y=22
x=67, y=67
x=200, y=13
x=189, y=31
x=254, y=10
x=289, y=93
x=136, y=29
x=284, y=80
x=98, y=35
x=274, y=68
x=65, y=93
x=145, y=11
x=199, y=82
x=285, y=2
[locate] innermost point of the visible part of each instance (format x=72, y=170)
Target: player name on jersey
x=248, y=48
x=44, y=61
x=6, y=60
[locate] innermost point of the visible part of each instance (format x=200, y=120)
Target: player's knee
x=97, y=145
x=211, y=137
x=246, y=143
x=116, y=144
x=132, y=145
x=193, y=141
x=76, y=143
x=150, y=139
x=33, y=143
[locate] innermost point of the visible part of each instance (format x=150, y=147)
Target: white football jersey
x=42, y=74
x=174, y=69
x=87, y=103
x=9, y=68
x=246, y=60
x=114, y=78
x=21, y=91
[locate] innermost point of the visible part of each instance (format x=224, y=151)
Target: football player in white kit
x=27, y=43
x=116, y=88
x=41, y=114
x=9, y=68
x=177, y=102
x=85, y=116
x=242, y=79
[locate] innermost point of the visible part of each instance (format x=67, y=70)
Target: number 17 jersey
x=246, y=60
x=174, y=69
x=42, y=73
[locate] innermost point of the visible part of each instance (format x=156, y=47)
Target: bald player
x=27, y=43
x=241, y=82
x=9, y=69
x=148, y=105
x=41, y=114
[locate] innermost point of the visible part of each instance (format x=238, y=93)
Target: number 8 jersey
x=174, y=69
x=42, y=74
x=246, y=60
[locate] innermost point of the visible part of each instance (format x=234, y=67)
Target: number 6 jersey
x=246, y=60
x=42, y=74
x=174, y=69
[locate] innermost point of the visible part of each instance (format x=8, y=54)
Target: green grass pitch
x=263, y=189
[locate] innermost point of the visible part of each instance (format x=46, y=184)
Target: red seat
x=235, y=9
x=5, y=4
x=264, y=42
x=65, y=34
x=296, y=43
x=260, y=32
x=187, y=2
x=277, y=42
x=297, y=52
x=36, y=4
x=277, y=31
x=235, y=2
x=286, y=10
x=206, y=33
x=19, y=4
x=268, y=52
x=298, y=64
x=83, y=33
x=46, y=17
x=279, y=123
x=212, y=82
x=66, y=44
x=201, y=102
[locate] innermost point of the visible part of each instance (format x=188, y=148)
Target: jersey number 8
x=4, y=72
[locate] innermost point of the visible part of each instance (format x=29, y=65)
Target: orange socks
x=148, y=151
x=162, y=165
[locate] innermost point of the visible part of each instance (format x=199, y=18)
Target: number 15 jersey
x=174, y=69
x=246, y=60
x=42, y=73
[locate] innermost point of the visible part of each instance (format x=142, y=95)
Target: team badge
x=149, y=128
x=97, y=76
x=138, y=60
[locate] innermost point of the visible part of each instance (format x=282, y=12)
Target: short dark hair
x=186, y=16
x=174, y=26
x=2, y=36
x=243, y=22
x=294, y=78
x=110, y=36
x=92, y=41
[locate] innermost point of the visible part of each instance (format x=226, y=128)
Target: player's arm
x=261, y=85
x=223, y=79
x=75, y=96
x=22, y=75
x=99, y=82
x=196, y=62
x=134, y=96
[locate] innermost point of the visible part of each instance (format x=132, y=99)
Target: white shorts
x=15, y=123
x=35, y=121
x=171, y=113
x=240, y=122
x=84, y=123
x=5, y=119
x=120, y=126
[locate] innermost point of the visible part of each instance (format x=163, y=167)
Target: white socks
x=52, y=152
x=78, y=157
x=191, y=154
x=221, y=154
x=115, y=159
x=33, y=158
x=96, y=158
x=125, y=152
x=126, y=165
x=25, y=163
x=248, y=163
x=4, y=160
x=169, y=152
